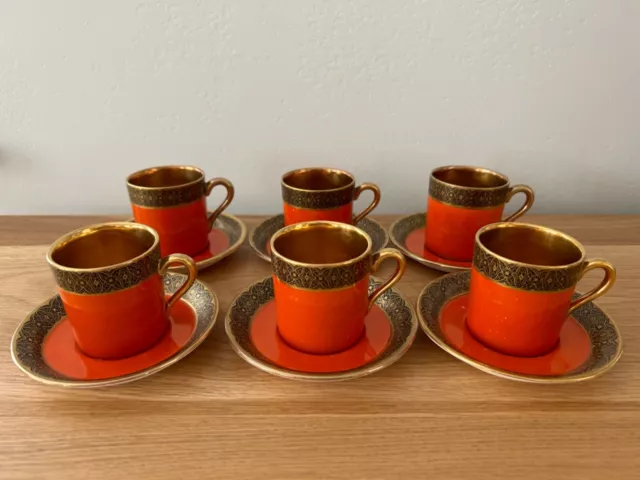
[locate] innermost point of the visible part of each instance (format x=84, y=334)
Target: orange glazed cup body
x=172, y=201
x=321, y=284
x=461, y=201
x=522, y=283
x=109, y=279
x=310, y=194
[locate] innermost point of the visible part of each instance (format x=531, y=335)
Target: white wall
x=545, y=91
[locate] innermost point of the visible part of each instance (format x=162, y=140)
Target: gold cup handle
x=192, y=274
x=376, y=199
x=605, y=284
x=377, y=260
x=528, y=202
x=214, y=182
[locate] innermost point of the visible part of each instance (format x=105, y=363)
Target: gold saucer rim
x=378, y=243
x=567, y=378
x=188, y=348
x=400, y=244
x=359, y=372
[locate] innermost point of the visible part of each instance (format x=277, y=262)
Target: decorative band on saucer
x=525, y=277
x=451, y=334
x=199, y=312
x=317, y=200
x=251, y=307
x=320, y=278
x=166, y=196
x=467, y=197
x=98, y=282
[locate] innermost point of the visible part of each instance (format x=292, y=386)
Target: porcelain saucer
x=589, y=344
x=44, y=347
x=250, y=324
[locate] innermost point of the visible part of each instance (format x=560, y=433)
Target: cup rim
x=499, y=225
x=326, y=169
x=302, y=225
x=80, y=232
x=470, y=168
x=148, y=170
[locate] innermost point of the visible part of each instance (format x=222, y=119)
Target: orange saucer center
x=571, y=352
x=415, y=244
x=265, y=338
x=62, y=355
x=218, y=243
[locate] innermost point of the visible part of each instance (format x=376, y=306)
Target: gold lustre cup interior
x=470, y=177
x=530, y=244
x=102, y=246
x=317, y=179
x=161, y=177
x=321, y=243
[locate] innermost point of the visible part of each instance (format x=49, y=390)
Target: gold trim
x=109, y=278
x=318, y=223
x=471, y=197
x=465, y=207
x=82, y=384
x=377, y=196
x=377, y=260
x=81, y=232
x=352, y=184
x=498, y=372
x=500, y=225
x=111, y=292
x=317, y=199
x=320, y=277
x=518, y=289
x=404, y=226
x=167, y=196
x=149, y=170
x=368, y=225
x=166, y=207
x=503, y=177
x=369, y=368
x=324, y=209
x=336, y=289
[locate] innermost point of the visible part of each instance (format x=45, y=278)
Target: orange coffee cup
x=321, y=284
x=173, y=201
x=109, y=278
x=522, y=284
x=327, y=194
x=461, y=201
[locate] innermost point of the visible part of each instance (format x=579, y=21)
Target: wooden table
x=214, y=416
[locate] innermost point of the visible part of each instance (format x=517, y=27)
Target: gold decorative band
x=469, y=197
x=317, y=200
x=525, y=277
x=166, y=196
x=108, y=281
x=318, y=277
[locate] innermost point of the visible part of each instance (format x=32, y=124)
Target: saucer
x=44, y=347
x=226, y=236
x=261, y=235
x=589, y=345
x=390, y=328
x=407, y=234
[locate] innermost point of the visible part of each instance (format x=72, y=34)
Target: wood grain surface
x=214, y=416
